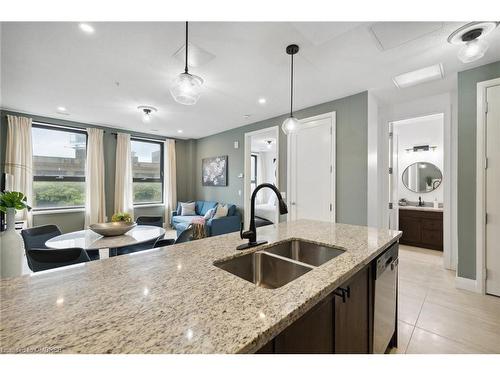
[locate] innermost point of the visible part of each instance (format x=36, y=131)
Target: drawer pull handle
x=344, y=293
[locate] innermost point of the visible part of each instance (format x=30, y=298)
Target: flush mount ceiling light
x=291, y=124
x=262, y=100
x=186, y=88
x=415, y=77
x=471, y=38
x=147, y=112
x=86, y=28
x=269, y=144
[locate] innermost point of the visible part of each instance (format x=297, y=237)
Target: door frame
x=247, y=168
x=481, y=184
x=290, y=165
x=450, y=255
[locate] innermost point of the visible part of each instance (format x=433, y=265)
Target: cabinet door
x=352, y=317
x=311, y=334
x=411, y=228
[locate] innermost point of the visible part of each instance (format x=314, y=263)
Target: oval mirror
x=422, y=177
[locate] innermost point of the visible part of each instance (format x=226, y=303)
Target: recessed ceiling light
x=426, y=74
x=262, y=100
x=246, y=116
x=61, y=109
x=86, y=28
x=179, y=131
x=154, y=130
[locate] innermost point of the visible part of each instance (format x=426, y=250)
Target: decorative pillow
x=222, y=210
x=209, y=214
x=188, y=209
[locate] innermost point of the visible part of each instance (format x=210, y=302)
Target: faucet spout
x=251, y=233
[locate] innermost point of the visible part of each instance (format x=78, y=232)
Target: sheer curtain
x=124, y=200
x=19, y=160
x=169, y=179
x=95, y=202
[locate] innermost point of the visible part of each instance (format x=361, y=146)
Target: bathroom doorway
x=418, y=181
x=261, y=166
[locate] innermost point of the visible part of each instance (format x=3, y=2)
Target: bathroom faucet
x=251, y=233
x=421, y=203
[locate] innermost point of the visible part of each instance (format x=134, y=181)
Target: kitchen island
x=174, y=299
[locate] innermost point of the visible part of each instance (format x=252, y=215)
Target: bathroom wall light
x=421, y=148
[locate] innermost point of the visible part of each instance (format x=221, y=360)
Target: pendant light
x=291, y=124
x=186, y=88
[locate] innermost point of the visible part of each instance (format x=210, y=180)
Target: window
x=58, y=167
x=253, y=172
x=147, y=171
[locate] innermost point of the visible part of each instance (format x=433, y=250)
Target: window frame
x=43, y=125
x=149, y=179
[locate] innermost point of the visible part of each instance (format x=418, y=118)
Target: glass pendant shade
x=186, y=88
x=473, y=50
x=290, y=125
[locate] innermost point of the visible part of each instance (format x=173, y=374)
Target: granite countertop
x=421, y=208
x=173, y=299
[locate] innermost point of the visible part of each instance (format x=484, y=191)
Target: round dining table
x=90, y=240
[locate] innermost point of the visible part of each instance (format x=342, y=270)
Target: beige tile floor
x=434, y=316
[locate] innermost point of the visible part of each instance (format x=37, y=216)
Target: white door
x=312, y=169
x=493, y=191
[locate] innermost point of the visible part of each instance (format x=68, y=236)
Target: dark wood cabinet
x=352, y=315
x=421, y=228
x=311, y=334
x=340, y=323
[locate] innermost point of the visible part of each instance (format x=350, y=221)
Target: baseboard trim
x=466, y=284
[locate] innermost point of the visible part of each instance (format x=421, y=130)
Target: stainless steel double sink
x=279, y=264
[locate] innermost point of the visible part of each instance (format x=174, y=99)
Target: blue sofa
x=215, y=226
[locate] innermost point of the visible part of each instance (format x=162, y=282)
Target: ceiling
x=102, y=78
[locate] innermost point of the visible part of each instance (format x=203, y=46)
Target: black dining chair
x=156, y=221
x=46, y=259
x=37, y=236
x=185, y=236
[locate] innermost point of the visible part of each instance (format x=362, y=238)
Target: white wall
x=418, y=132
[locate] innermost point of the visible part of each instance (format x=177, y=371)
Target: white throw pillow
x=209, y=214
x=188, y=209
x=221, y=211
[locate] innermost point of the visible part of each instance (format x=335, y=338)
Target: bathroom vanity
x=421, y=227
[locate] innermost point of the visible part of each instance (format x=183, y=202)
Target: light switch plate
x=236, y=144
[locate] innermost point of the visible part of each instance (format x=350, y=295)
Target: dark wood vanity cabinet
x=421, y=228
x=340, y=323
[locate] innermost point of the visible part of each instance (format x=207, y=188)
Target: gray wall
x=467, y=92
x=351, y=157
x=70, y=221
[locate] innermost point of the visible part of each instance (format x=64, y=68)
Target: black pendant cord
x=291, y=90
x=186, y=66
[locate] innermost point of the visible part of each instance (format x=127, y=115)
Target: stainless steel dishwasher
x=386, y=279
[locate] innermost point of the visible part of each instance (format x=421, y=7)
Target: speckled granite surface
x=173, y=299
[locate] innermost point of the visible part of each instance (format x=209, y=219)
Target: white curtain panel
x=169, y=179
x=19, y=160
x=124, y=199
x=95, y=202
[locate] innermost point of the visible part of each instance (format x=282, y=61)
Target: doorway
x=488, y=181
x=418, y=179
x=261, y=166
x=311, y=169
